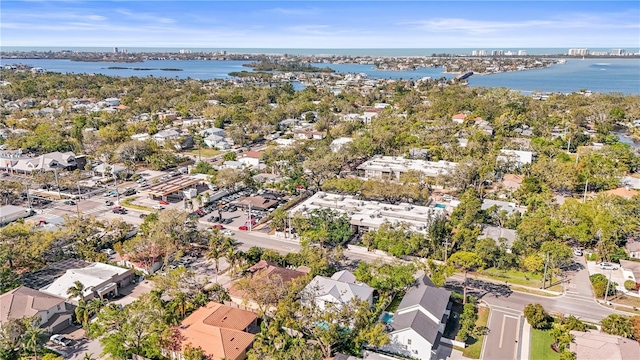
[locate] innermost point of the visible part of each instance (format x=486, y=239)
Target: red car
x=243, y=228
x=217, y=226
x=162, y=202
x=253, y=223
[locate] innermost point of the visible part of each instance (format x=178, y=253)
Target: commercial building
x=578, y=52
x=370, y=215
x=392, y=167
x=99, y=280
x=10, y=213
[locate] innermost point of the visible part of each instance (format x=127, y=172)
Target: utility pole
x=606, y=291
x=544, y=277
x=55, y=172
x=249, y=216
x=446, y=244
x=78, y=201
x=584, y=200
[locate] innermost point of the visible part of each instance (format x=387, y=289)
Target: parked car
x=228, y=233
x=60, y=340
x=232, y=209
x=119, y=210
x=108, y=203
x=142, y=216
x=69, y=202
x=243, y=228
x=217, y=226
x=213, y=219
x=577, y=252
x=608, y=266
x=163, y=202
x=227, y=221
x=158, y=207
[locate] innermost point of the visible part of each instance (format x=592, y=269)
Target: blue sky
x=321, y=24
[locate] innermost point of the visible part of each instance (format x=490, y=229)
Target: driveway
x=616, y=275
x=505, y=330
x=81, y=345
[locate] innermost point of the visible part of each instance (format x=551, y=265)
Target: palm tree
x=33, y=337
x=95, y=305
x=82, y=313
x=77, y=290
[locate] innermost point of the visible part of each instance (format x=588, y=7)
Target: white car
x=608, y=266
x=158, y=207
x=60, y=340
x=228, y=233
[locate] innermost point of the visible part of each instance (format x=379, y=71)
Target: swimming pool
x=387, y=318
x=440, y=206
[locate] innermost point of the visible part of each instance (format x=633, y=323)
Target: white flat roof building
x=98, y=279
x=368, y=215
x=517, y=157
x=393, y=167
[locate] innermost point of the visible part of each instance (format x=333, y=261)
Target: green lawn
x=127, y=204
x=474, y=345
x=206, y=152
x=541, y=341
x=519, y=278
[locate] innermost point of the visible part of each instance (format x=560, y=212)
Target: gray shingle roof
x=433, y=299
x=419, y=322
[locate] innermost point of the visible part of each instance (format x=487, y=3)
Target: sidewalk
x=525, y=341
x=513, y=287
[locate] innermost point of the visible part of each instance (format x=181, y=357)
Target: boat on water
x=464, y=76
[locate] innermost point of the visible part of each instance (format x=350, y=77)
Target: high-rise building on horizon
x=522, y=52
x=497, y=53
x=618, y=52
x=578, y=52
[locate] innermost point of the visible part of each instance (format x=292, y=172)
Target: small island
x=268, y=65
x=141, y=69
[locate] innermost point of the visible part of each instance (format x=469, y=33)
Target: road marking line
x=502, y=331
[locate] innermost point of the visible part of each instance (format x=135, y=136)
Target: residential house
x=308, y=135
x=339, y=143
x=338, y=289
x=631, y=182
x=509, y=207
x=593, y=344
x=630, y=271
x=633, y=248
x=166, y=135
x=624, y=192
x=251, y=158
x=370, y=113
x=112, y=101
x=417, y=325
x=221, y=331
x=55, y=315
x=458, y=118
x=99, y=280
x=212, y=131
x=262, y=270
x=512, y=182
x=496, y=233
x=141, y=137
x=105, y=169
x=216, y=142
